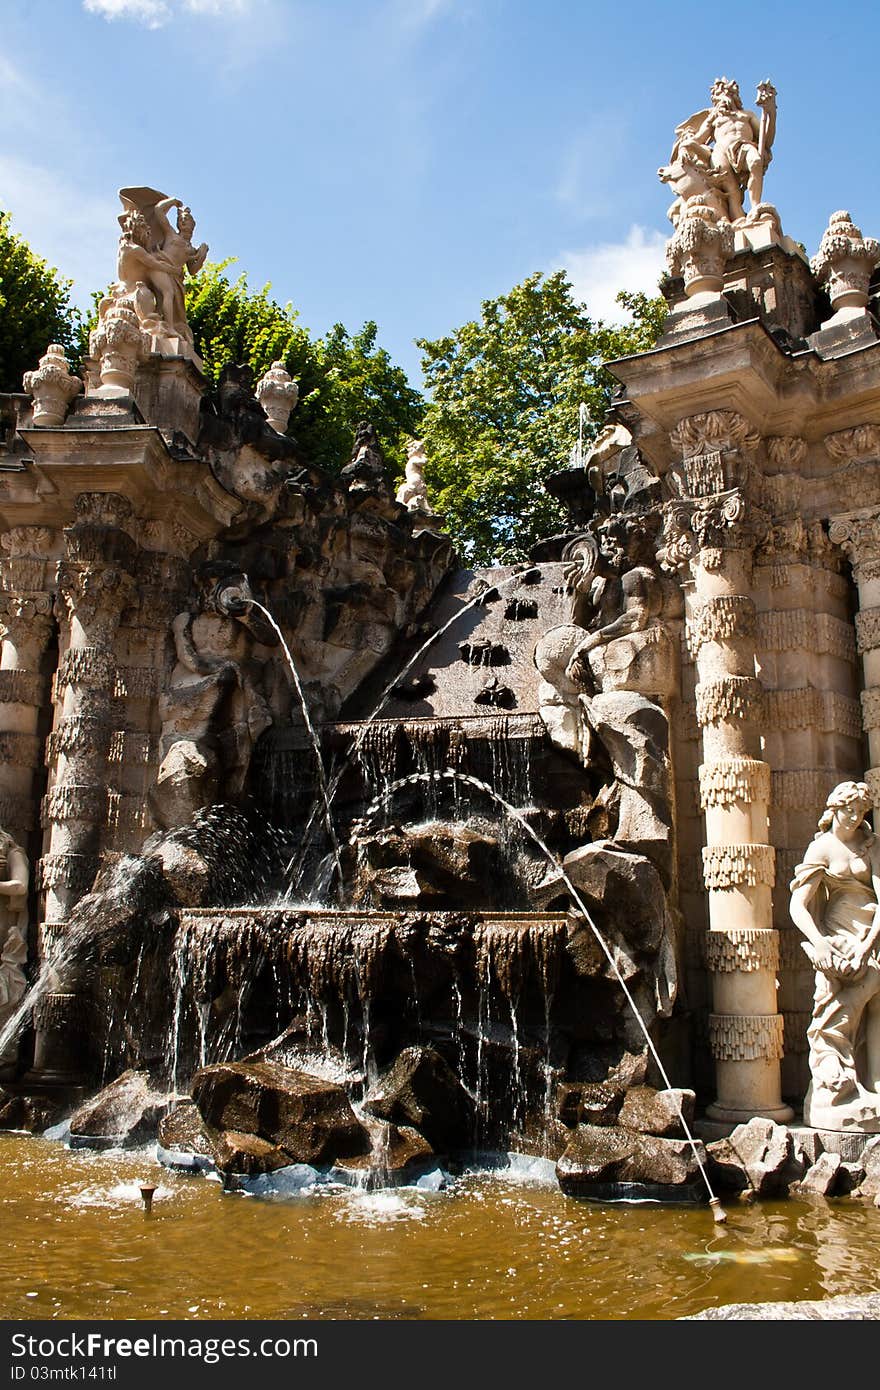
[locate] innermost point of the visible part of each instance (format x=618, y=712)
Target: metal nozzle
x=147, y=1196
x=719, y=1215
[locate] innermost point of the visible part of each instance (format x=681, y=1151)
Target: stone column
x=859, y=535
x=94, y=585
x=26, y=626
x=720, y=523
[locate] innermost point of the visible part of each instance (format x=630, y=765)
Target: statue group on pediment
x=152, y=259
x=721, y=154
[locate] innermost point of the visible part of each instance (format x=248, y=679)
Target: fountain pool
x=492, y=1245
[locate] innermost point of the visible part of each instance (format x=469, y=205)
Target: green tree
x=35, y=309
x=505, y=394
x=342, y=378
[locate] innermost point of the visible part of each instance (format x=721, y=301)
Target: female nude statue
x=835, y=903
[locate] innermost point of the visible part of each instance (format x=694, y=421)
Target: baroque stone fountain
x=352, y=859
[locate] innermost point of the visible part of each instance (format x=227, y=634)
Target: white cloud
x=154, y=13
x=151, y=13
x=71, y=228
x=600, y=271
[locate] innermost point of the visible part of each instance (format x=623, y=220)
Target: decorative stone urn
x=845, y=263
x=119, y=343
x=277, y=393
x=700, y=248
x=52, y=386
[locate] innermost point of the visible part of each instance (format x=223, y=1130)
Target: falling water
x=326, y=795
x=330, y=789
x=517, y=815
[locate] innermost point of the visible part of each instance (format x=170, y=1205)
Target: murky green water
x=77, y=1244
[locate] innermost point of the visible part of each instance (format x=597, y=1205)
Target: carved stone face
x=725, y=95
x=186, y=223
x=136, y=229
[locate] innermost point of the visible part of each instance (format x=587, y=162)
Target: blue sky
x=404, y=159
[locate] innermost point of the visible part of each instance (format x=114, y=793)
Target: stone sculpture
x=615, y=640
x=722, y=153
x=214, y=707
x=14, y=878
x=413, y=492
x=153, y=255
x=835, y=903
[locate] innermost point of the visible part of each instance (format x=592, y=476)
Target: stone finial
x=52, y=386
x=277, y=393
x=844, y=263
x=413, y=492
x=699, y=248
x=119, y=343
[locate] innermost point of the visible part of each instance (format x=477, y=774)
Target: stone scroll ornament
x=835, y=904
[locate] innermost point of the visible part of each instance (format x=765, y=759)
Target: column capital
x=858, y=534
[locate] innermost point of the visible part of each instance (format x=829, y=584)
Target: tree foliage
x=505, y=397
x=342, y=377
x=35, y=308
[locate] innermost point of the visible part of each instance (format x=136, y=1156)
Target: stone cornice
x=742, y=368
x=133, y=460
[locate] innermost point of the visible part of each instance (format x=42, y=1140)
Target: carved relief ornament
x=739, y=866
x=720, y=619
x=859, y=538
x=859, y=443
x=714, y=429
x=746, y=1037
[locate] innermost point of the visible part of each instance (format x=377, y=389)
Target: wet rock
x=308, y=1119
x=759, y=1155
x=399, y=1155
x=31, y=1113
x=599, y=1156
x=540, y=1138
x=870, y=1163
x=821, y=1180
x=590, y=1103
x=182, y=1130
x=657, y=1112
x=237, y=1152
x=125, y=1113
x=422, y=1091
